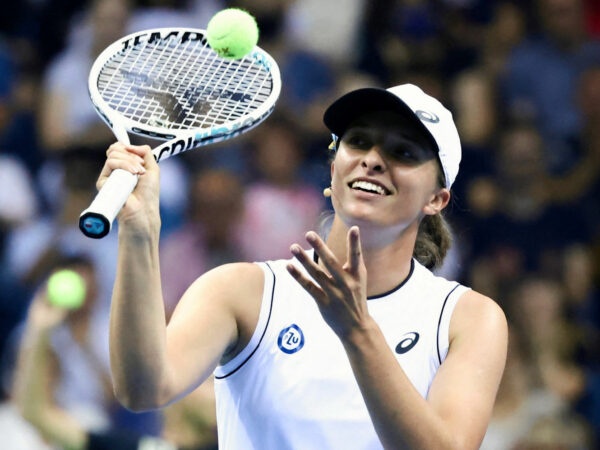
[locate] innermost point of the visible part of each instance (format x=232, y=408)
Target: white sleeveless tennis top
x=292, y=387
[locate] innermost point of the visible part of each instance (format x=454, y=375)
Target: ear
x=331, y=169
x=437, y=202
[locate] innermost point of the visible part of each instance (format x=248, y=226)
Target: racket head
x=167, y=84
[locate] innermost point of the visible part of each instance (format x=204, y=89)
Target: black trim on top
x=391, y=291
x=264, y=330
x=440, y=323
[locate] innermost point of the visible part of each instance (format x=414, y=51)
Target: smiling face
x=386, y=174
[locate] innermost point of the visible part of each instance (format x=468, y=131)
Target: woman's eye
x=403, y=154
x=358, y=141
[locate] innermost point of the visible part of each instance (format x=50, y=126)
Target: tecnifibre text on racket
x=168, y=84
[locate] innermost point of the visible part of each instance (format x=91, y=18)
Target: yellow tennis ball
x=66, y=289
x=232, y=33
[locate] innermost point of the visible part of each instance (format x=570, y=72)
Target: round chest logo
x=291, y=339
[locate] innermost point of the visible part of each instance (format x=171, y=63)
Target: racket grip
x=96, y=221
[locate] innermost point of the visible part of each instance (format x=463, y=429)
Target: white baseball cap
x=425, y=112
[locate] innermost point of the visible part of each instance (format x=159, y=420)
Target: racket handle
x=96, y=221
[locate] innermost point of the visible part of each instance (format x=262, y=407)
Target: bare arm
x=456, y=413
x=33, y=379
x=152, y=364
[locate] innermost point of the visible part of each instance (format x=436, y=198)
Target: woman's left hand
x=340, y=289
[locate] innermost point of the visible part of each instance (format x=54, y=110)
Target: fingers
x=329, y=260
x=310, y=287
x=132, y=158
x=311, y=267
x=354, y=258
x=326, y=256
x=128, y=157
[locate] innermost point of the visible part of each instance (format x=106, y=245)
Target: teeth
x=370, y=187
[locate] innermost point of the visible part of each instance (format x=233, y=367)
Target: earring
x=327, y=192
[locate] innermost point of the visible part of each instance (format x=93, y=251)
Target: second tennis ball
x=66, y=289
x=232, y=33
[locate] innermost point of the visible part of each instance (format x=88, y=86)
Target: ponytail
x=434, y=239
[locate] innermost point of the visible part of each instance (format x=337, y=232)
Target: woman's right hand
x=142, y=206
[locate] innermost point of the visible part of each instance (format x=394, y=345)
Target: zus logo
x=291, y=339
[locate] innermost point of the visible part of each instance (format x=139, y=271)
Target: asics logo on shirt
x=291, y=339
x=408, y=341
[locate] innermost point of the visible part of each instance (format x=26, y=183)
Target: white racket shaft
x=96, y=221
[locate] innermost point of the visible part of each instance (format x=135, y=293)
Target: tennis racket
x=168, y=84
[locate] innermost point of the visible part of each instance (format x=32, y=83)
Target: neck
x=387, y=253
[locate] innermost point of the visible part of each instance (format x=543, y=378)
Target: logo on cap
x=427, y=116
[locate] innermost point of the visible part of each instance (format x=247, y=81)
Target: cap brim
x=345, y=110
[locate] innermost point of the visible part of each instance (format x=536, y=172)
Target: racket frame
x=96, y=221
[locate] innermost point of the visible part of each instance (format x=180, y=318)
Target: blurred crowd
x=523, y=81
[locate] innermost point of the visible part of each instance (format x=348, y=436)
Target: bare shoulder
x=235, y=286
x=478, y=316
x=233, y=277
x=217, y=315
x=238, y=290
x=465, y=386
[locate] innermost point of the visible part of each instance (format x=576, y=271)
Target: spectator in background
x=542, y=75
x=62, y=380
x=18, y=205
x=172, y=13
x=279, y=206
x=73, y=137
x=400, y=37
x=550, y=339
x=18, y=201
x=68, y=120
x=331, y=30
x=506, y=29
x=520, y=405
x=583, y=301
x=583, y=309
x=473, y=94
x=19, y=90
x=582, y=184
x=515, y=226
x=552, y=343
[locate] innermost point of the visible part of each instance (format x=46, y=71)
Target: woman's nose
x=373, y=160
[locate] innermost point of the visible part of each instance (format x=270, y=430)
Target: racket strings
x=174, y=85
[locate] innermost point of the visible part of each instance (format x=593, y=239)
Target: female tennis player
x=353, y=343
